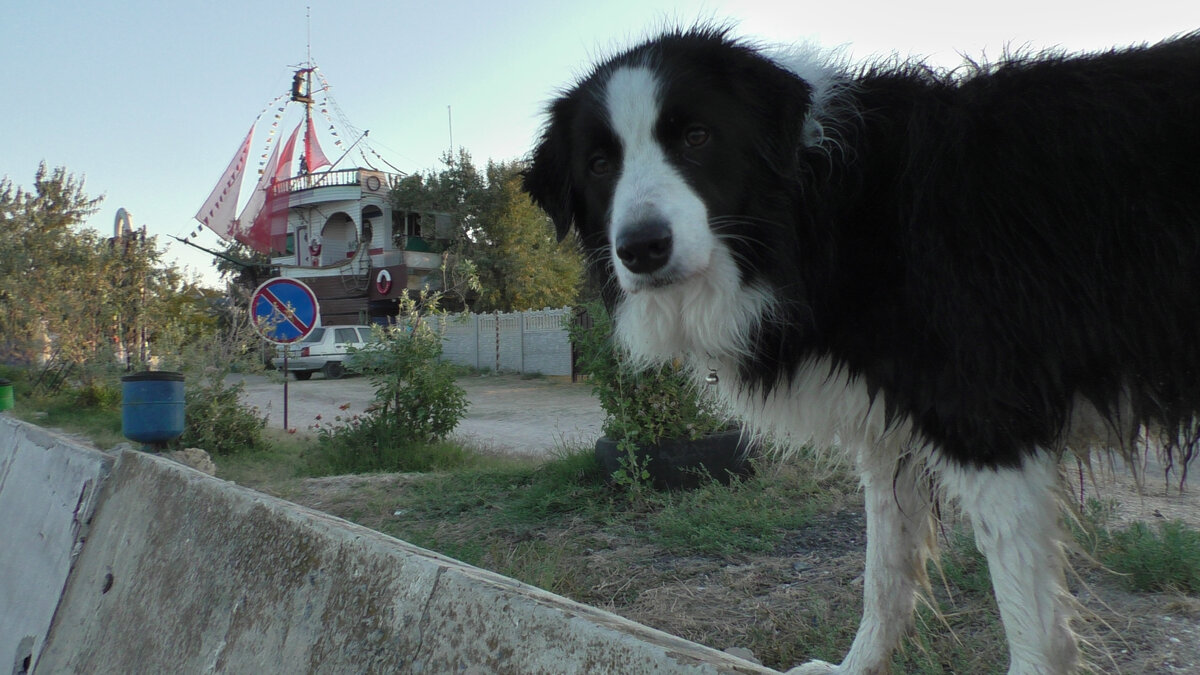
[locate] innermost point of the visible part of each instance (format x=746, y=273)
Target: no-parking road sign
x=284, y=310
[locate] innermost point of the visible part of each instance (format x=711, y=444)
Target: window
x=315, y=335
x=345, y=335
x=365, y=334
x=290, y=247
x=412, y=224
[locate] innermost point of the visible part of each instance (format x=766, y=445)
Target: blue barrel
x=6, y=394
x=152, y=406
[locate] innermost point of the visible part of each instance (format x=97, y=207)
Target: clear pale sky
x=148, y=100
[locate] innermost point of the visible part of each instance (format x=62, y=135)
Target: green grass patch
x=88, y=413
x=279, y=462
x=1161, y=558
x=748, y=516
x=1164, y=556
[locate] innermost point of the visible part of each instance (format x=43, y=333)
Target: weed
x=1166, y=557
x=1156, y=559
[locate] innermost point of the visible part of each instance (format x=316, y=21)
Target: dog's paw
x=814, y=668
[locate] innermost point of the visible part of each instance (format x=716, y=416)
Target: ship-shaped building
x=332, y=227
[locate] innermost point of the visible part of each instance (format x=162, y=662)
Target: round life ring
x=383, y=282
x=373, y=183
x=314, y=247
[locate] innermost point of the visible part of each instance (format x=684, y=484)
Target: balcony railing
x=373, y=181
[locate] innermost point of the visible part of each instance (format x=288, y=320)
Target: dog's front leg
x=900, y=538
x=1015, y=513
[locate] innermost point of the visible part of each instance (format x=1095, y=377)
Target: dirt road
x=506, y=413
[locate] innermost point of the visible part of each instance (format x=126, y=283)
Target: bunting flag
x=217, y=211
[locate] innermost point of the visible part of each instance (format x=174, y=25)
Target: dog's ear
x=548, y=178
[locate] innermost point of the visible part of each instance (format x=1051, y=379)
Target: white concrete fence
x=522, y=342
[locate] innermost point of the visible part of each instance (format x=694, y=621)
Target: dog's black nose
x=645, y=247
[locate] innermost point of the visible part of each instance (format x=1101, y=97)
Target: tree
x=67, y=293
x=37, y=286
x=499, y=237
x=521, y=264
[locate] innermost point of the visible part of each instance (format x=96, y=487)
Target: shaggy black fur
x=985, y=247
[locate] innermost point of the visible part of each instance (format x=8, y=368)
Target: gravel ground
x=506, y=413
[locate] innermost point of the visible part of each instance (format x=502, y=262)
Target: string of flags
x=274, y=103
x=328, y=109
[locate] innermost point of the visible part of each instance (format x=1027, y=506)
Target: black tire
x=685, y=464
x=302, y=374
x=333, y=370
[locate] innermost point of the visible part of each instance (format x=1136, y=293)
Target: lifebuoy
x=383, y=282
x=373, y=183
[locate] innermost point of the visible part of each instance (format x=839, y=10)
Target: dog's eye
x=599, y=165
x=695, y=136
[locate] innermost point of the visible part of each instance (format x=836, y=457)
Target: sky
x=148, y=100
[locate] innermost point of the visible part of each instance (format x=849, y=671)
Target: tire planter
x=681, y=464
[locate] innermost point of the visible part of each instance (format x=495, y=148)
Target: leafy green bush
x=416, y=395
x=642, y=406
x=417, y=401
x=97, y=394
x=366, y=443
x=216, y=421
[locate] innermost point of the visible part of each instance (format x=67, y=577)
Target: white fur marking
x=900, y=539
x=649, y=187
x=1015, y=513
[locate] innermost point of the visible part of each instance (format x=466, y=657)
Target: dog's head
x=671, y=155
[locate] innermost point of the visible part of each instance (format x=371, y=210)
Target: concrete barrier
x=181, y=572
x=48, y=491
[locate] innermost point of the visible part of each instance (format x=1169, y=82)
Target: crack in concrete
x=424, y=621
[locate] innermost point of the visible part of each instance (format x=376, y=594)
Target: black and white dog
x=951, y=276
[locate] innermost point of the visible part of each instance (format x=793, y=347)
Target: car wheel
x=333, y=370
x=302, y=374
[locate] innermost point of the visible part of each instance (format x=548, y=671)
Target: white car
x=325, y=349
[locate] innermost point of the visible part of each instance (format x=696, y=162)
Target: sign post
x=284, y=311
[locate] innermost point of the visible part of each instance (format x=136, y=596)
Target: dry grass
x=796, y=599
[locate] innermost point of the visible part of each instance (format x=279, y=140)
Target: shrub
x=641, y=405
x=97, y=394
x=215, y=420
x=365, y=443
x=416, y=395
x=417, y=402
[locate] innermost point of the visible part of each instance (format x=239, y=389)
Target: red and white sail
x=262, y=223
x=314, y=157
x=218, y=210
